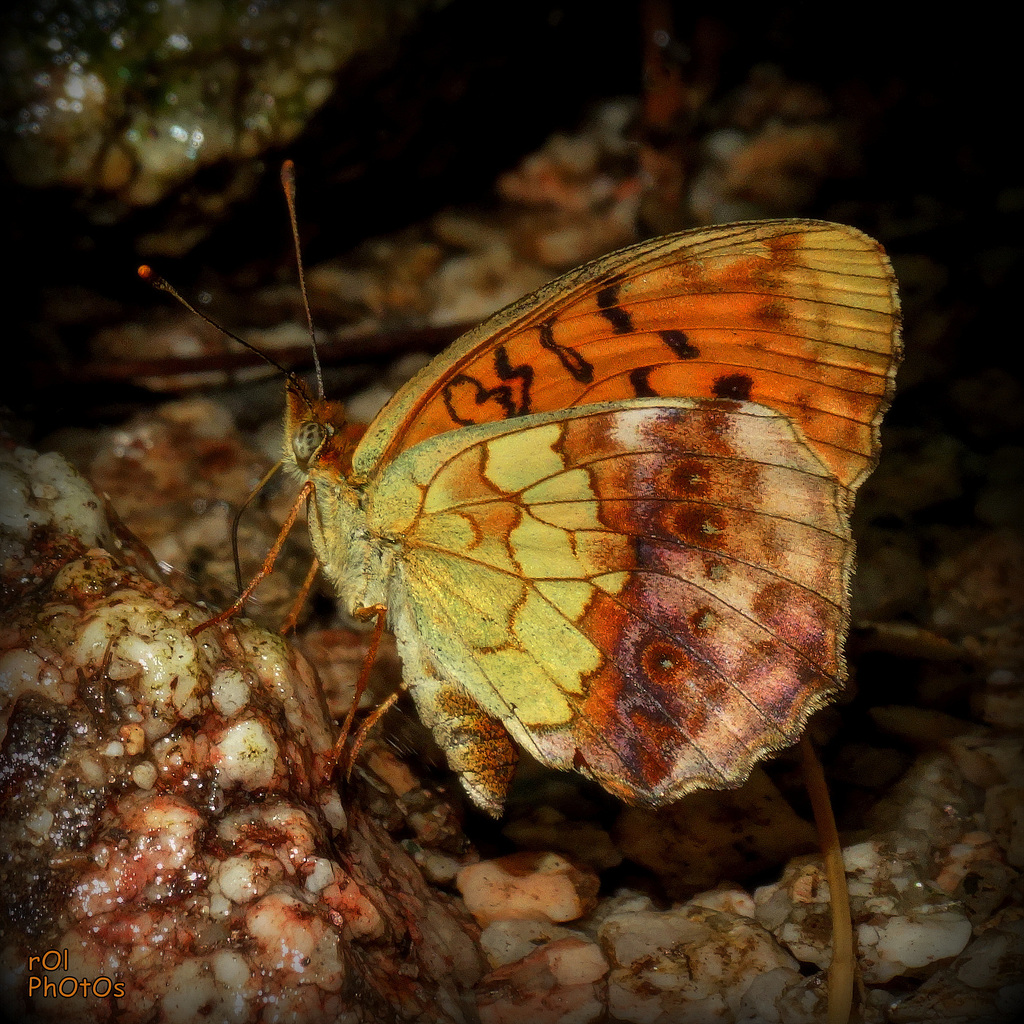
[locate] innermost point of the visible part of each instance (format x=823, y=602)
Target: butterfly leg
x=364, y=727
x=293, y=613
x=364, y=677
x=265, y=568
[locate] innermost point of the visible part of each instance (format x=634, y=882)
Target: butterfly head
x=318, y=438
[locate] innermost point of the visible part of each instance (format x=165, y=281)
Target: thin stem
x=841, y=971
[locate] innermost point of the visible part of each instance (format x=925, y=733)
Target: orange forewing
x=800, y=316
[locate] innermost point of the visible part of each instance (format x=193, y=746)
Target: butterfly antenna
x=288, y=184
x=149, y=275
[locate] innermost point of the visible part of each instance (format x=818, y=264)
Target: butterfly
x=612, y=523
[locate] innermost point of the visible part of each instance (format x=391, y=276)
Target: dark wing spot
x=735, y=386
x=502, y=395
x=513, y=401
x=774, y=313
x=811, y=677
x=697, y=525
x=662, y=662
x=702, y=620
x=579, y=369
x=688, y=479
x=608, y=303
x=638, y=380
x=507, y=372
x=680, y=344
x=770, y=601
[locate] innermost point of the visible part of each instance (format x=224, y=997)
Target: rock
x=900, y=924
x=686, y=965
x=164, y=815
x=982, y=984
x=128, y=105
x=530, y=886
x=559, y=983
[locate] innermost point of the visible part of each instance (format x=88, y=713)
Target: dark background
x=431, y=119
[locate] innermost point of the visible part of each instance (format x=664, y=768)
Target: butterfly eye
x=306, y=440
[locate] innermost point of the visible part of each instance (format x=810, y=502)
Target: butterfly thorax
x=318, y=446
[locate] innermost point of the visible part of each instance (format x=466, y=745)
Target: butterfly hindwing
x=650, y=591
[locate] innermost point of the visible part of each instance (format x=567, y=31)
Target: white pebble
x=902, y=944
x=230, y=969
x=229, y=692
x=247, y=754
x=144, y=775
x=322, y=874
x=39, y=821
